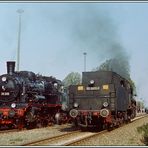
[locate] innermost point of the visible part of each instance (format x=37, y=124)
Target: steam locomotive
x=30, y=100
x=103, y=100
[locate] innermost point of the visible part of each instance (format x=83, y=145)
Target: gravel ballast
x=124, y=136
x=25, y=136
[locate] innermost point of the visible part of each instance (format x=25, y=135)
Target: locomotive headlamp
x=13, y=105
x=105, y=104
x=73, y=113
x=75, y=104
x=55, y=85
x=104, y=112
x=92, y=81
x=4, y=79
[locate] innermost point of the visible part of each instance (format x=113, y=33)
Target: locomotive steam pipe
x=85, y=53
x=10, y=67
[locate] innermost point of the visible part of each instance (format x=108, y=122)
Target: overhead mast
x=85, y=53
x=19, y=11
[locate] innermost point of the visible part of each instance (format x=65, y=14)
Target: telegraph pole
x=84, y=61
x=19, y=11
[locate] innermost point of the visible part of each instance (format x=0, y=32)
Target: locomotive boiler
x=103, y=100
x=29, y=100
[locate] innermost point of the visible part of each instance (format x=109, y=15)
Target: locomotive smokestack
x=10, y=67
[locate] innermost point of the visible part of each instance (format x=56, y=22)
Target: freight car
x=103, y=100
x=29, y=100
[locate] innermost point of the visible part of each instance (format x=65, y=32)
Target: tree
x=120, y=66
x=72, y=78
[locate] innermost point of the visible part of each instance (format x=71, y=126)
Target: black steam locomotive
x=30, y=100
x=103, y=100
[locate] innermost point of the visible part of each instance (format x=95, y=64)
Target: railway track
x=71, y=138
x=52, y=140
x=17, y=130
x=76, y=142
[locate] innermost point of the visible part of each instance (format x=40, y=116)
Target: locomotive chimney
x=10, y=67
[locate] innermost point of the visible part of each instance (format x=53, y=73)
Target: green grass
x=144, y=130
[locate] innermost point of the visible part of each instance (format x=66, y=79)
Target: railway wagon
x=103, y=100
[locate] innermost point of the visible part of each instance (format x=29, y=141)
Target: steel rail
x=63, y=136
x=50, y=138
x=71, y=143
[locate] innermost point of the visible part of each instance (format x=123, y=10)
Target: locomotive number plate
x=92, y=88
x=5, y=93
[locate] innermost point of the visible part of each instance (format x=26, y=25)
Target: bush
x=144, y=130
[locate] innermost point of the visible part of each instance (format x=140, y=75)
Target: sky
x=54, y=37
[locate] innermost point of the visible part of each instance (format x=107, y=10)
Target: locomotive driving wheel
x=42, y=123
x=30, y=119
x=20, y=123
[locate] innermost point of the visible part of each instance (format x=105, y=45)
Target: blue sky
x=55, y=35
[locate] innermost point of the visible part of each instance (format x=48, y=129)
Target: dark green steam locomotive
x=103, y=100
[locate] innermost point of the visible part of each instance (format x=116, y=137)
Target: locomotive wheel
x=45, y=123
x=39, y=124
x=30, y=125
x=11, y=126
x=75, y=123
x=100, y=127
x=20, y=124
x=83, y=129
x=51, y=121
x=30, y=117
x=58, y=118
x=42, y=123
x=110, y=127
x=58, y=122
